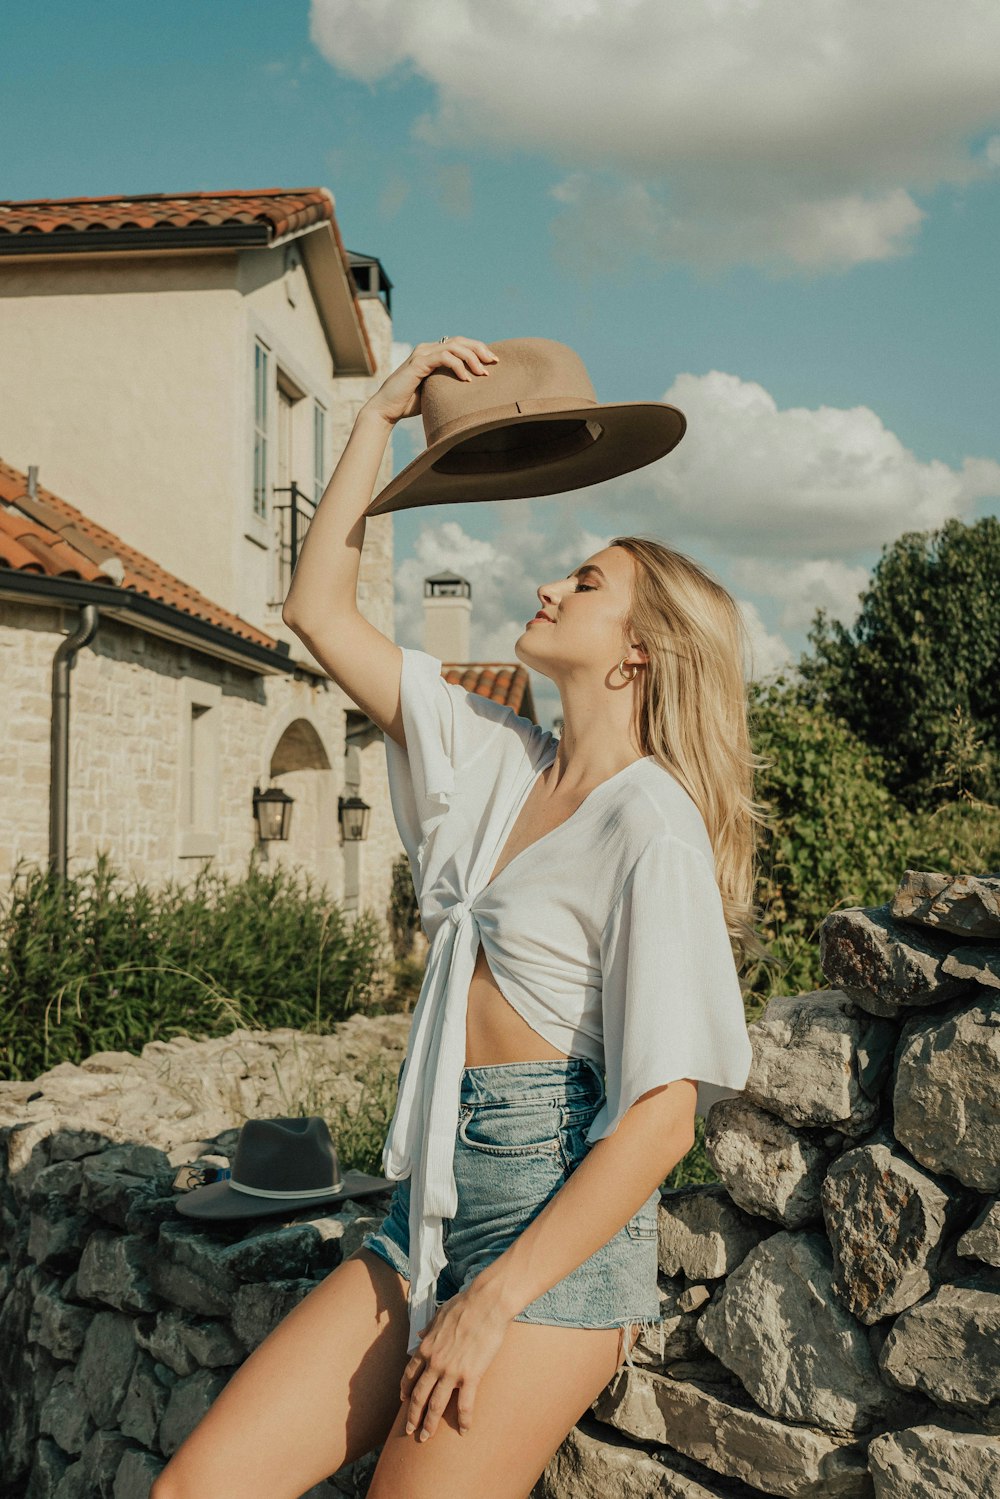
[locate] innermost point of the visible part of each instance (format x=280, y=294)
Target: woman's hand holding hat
x=399, y=394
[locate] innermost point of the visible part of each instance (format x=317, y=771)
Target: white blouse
x=606, y=934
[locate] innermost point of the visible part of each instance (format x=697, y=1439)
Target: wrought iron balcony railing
x=291, y=522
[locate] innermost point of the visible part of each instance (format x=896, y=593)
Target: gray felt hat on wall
x=280, y=1165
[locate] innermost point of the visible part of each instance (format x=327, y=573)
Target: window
x=285, y=467
x=197, y=804
x=199, y=767
x=319, y=452
x=261, y=382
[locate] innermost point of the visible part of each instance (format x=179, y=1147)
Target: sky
x=780, y=215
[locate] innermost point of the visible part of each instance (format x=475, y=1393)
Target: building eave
x=151, y=616
x=323, y=255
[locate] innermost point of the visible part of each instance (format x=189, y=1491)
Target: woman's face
x=585, y=616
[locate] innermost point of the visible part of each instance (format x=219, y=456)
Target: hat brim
x=633, y=433
x=220, y=1200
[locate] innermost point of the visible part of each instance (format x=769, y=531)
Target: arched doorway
x=300, y=765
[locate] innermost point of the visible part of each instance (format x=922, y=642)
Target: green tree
x=918, y=675
x=836, y=835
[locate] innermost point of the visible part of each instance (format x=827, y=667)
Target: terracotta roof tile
x=48, y=536
x=282, y=209
x=502, y=681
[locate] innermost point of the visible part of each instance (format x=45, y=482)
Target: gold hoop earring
x=629, y=676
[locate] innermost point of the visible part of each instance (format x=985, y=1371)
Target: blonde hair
x=693, y=714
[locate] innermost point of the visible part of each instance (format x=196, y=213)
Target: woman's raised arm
x=321, y=607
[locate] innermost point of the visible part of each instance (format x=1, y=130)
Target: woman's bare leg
x=542, y=1380
x=321, y=1390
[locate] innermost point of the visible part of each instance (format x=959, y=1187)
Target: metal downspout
x=62, y=665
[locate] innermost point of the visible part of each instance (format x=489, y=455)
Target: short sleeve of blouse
x=452, y=736
x=672, y=1005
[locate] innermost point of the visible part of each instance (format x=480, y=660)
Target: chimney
x=447, y=609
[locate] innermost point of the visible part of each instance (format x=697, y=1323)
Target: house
x=178, y=375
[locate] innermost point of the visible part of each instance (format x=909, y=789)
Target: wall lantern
x=273, y=811
x=353, y=814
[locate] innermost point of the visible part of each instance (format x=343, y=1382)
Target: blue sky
x=783, y=216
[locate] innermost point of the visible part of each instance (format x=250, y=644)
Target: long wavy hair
x=693, y=715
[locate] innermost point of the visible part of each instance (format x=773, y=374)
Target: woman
x=588, y=1006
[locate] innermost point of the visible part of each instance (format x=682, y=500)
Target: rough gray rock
x=113, y=1269
x=596, y=1462
x=885, y=965
x=56, y=1324
x=135, y=1475
x=185, y=1346
x=769, y=1168
x=817, y=1062
x=175, y=1093
x=702, y=1233
x=781, y=1330
x=945, y=1095
x=736, y=1440
x=145, y=1403
x=105, y=1367
x=947, y=1346
x=885, y=1219
x=966, y=904
x=257, y=1309
x=189, y=1400
x=979, y=962
x=930, y=1462
x=981, y=1239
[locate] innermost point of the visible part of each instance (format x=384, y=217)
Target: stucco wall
x=122, y=380
x=129, y=382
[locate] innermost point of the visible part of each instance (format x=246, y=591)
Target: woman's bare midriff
x=494, y=1031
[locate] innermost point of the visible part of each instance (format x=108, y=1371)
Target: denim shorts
x=521, y=1133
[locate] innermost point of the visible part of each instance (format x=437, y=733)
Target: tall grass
x=93, y=963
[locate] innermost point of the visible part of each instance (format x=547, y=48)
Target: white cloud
x=754, y=480
x=791, y=133
x=769, y=653
x=798, y=589
x=718, y=223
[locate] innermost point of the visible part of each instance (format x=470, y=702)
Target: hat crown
x=286, y=1155
x=531, y=375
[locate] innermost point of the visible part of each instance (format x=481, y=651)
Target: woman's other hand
x=399, y=394
x=456, y=1348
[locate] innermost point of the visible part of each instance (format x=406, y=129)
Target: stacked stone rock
x=121, y=1320
x=833, y=1305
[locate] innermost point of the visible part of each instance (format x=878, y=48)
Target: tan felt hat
x=533, y=426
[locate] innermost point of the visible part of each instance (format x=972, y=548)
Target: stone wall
x=831, y=1305
x=120, y=1320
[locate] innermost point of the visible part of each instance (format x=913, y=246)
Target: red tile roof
x=244, y=217
x=49, y=536
x=502, y=681
x=283, y=209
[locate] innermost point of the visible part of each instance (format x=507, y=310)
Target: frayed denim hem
x=631, y=1330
